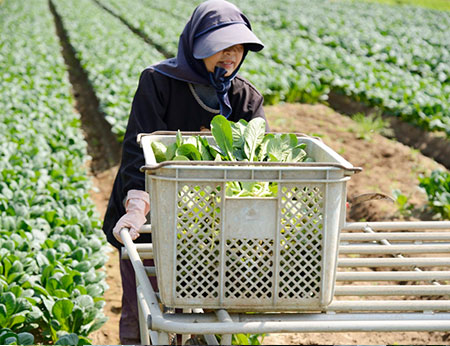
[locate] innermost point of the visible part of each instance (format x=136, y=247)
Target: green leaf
x=179, y=138
x=68, y=339
x=180, y=158
x=83, y=341
x=275, y=149
x=204, y=149
x=8, y=338
x=98, y=323
x=12, y=340
x=253, y=136
x=9, y=301
x=79, y=254
x=62, y=309
x=222, y=133
x=190, y=151
x=85, y=301
x=238, y=130
x=160, y=151
x=77, y=320
x=3, y=314
x=170, y=152
x=25, y=338
x=16, y=319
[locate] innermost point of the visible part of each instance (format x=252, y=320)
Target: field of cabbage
x=52, y=250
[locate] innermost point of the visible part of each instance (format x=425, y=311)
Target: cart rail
x=392, y=276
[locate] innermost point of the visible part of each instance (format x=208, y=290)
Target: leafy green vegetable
x=221, y=130
x=239, y=141
x=437, y=187
x=253, y=137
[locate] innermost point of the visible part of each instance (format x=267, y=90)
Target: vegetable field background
x=362, y=75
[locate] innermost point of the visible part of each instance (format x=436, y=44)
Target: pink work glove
x=137, y=206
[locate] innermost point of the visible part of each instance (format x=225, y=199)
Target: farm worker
x=183, y=93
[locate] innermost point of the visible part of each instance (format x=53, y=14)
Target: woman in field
x=181, y=93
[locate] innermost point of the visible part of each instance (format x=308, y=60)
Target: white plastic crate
x=245, y=253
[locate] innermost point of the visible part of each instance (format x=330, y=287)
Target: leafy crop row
x=51, y=245
x=395, y=60
x=306, y=38
x=111, y=54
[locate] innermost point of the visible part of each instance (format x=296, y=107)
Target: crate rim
x=349, y=168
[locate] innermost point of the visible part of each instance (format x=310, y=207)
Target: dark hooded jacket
x=166, y=100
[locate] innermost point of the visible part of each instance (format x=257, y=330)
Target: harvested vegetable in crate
x=240, y=141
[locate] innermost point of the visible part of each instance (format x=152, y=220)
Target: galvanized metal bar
x=163, y=338
x=141, y=276
x=393, y=276
x=391, y=290
x=412, y=236
x=393, y=249
x=394, y=262
x=396, y=225
x=143, y=312
x=143, y=255
x=223, y=316
x=151, y=271
x=385, y=242
x=210, y=338
x=146, y=229
x=389, y=305
x=301, y=326
x=148, y=247
x=308, y=316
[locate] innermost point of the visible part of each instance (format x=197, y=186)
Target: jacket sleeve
x=147, y=115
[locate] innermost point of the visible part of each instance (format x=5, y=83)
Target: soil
x=387, y=165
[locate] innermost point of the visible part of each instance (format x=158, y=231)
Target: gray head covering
x=213, y=26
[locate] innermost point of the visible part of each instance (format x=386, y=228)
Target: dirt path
x=386, y=164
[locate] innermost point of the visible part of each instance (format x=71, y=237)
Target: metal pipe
x=389, y=305
x=299, y=326
x=307, y=316
x=393, y=249
x=144, y=312
x=394, y=262
x=142, y=255
x=413, y=236
x=146, y=229
x=141, y=276
x=396, y=225
x=223, y=316
x=391, y=290
x=393, y=276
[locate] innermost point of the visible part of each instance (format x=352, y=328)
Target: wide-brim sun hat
x=222, y=37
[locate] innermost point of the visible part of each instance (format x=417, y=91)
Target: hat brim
x=216, y=40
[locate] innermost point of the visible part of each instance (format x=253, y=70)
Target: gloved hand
x=137, y=206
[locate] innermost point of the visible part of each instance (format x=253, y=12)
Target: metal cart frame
x=422, y=249
x=385, y=276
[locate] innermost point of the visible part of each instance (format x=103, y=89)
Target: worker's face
x=229, y=59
